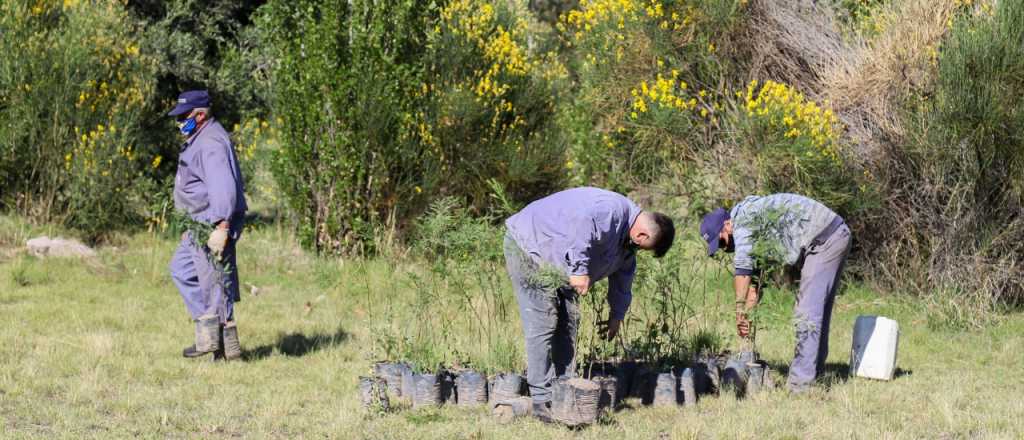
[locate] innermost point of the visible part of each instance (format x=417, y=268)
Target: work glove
x=217, y=241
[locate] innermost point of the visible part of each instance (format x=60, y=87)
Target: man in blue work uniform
x=557, y=248
x=209, y=188
x=809, y=234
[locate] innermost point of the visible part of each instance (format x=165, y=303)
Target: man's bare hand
x=742, y=325
x=581, y=283
x=608, y=329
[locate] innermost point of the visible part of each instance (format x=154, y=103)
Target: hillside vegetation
x=352, y=117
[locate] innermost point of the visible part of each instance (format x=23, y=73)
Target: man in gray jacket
x=804, y=232
x=208, y=187
x=557, y=248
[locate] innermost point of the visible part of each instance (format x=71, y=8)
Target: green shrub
x=794, y=145
x=386, y=107
x=467, y=271
x=344, y=79
x=207, y=45
x=74, y=87
x=464, y=311
x=486, y=105
x=978, y=102
x=956, y=206
x=649, y=81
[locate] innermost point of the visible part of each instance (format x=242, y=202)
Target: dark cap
x=190, y=100
x=711, y=226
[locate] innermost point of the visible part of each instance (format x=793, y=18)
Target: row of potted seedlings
x=463, y=387
x=575, y=400
x=742, y=373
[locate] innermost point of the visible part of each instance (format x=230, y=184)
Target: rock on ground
x=44, y=247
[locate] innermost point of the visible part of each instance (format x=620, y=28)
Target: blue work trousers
x=819, y=282
x=550, y=316
x=208, y=288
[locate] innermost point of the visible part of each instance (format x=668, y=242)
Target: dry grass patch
x=868, y=87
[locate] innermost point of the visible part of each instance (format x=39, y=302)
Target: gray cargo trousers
x=550, y=316
x=819, y=282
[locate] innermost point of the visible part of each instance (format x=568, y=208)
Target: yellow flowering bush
x=663, y=93
x=77, y=86
x=648, y=73
x=608, y=31
x=487, y=101
x=780, y=108
x=794, y=142
x=618, y=14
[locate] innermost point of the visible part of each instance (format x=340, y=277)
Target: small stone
x=507, y=410
x=44, y=247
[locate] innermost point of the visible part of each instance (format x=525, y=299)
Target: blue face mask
x=187, y=126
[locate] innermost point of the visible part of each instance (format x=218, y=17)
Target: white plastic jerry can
x=875, y=340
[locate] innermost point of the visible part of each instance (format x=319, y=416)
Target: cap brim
x=180, y=110
x=713, y=246
x=713, y=241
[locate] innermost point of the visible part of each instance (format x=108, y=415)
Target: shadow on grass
x=836, y=373
x=296, y=345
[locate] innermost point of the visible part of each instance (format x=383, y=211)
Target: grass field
x=91, y=349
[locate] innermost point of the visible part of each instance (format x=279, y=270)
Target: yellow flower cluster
x=664, y=92
x=118, y=87
x=618, y=14
x=249, y=135
x=505, y=56
x=40, y=7
x=503, y=50
x=86, y=148
x=468, y=18
x=116, y=92
x=592, y=13
x=786, y=109
x=476, y=22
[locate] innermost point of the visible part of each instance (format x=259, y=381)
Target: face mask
x=187, y=126
x=730, y=247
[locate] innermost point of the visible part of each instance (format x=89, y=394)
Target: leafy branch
x=183, y=222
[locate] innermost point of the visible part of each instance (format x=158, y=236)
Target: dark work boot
x=542, y=412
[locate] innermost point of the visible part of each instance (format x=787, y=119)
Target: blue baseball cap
x=190, y=100
x=711, y=226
